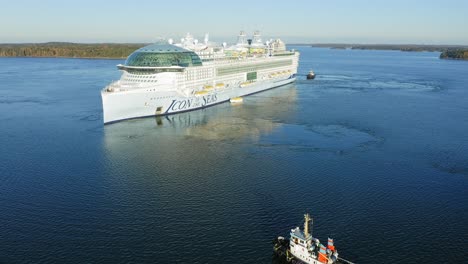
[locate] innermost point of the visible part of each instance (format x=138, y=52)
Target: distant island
x=121, y=51
x=401, y=47
x=69, y=50
x=447, y=51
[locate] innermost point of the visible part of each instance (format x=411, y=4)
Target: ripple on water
x=452, y=162
x=24, y=100
x=335, y=138
x=368, y=83
x=89, y=115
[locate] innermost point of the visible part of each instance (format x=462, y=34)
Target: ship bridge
x=160, y=57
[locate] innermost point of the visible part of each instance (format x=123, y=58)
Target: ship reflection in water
x=183, y=150
x=224, y=122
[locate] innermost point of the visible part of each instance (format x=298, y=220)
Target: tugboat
x=303, y=248
x=311, y=75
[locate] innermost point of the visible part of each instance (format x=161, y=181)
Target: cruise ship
x=167, y=78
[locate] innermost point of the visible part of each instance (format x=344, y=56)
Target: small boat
x=306, y=249
x=236, y=100
x=311, y=75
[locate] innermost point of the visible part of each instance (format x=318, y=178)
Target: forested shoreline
x=447, y=51
x=70, y=50
x=121, y=51
x=459, y=54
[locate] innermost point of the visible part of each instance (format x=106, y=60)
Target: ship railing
x=118, y=86
x=284, y=53
x=231, y=61
x=112, y=88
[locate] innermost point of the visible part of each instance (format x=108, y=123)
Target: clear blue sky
x=357, y=21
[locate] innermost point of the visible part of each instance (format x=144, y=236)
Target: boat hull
x=124, y=105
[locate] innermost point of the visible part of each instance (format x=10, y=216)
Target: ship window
x=153, y=59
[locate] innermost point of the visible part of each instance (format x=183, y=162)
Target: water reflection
x=259, y=114
x=192, y=175
x=175, y=150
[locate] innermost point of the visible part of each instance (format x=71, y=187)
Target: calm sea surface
x=376, y=149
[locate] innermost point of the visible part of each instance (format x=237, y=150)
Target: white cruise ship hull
x=136, y=103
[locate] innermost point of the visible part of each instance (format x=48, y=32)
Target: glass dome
x=163, y=55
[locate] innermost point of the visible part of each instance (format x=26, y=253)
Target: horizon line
x=288, y=43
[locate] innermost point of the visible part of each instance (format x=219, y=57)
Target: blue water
x=375, y=148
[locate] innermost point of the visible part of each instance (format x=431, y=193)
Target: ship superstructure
x=307, y=249
x=166, y=77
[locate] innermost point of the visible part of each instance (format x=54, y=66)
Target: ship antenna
x=307, y=218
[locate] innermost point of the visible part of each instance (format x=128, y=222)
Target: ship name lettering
x=180, y=105
x=209, y=99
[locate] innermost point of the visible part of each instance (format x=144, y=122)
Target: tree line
x=460, y=54
x=447, y=51
x=108, y=50
x=72, y=50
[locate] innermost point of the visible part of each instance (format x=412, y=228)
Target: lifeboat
x=236, y=100
x=208, y=87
